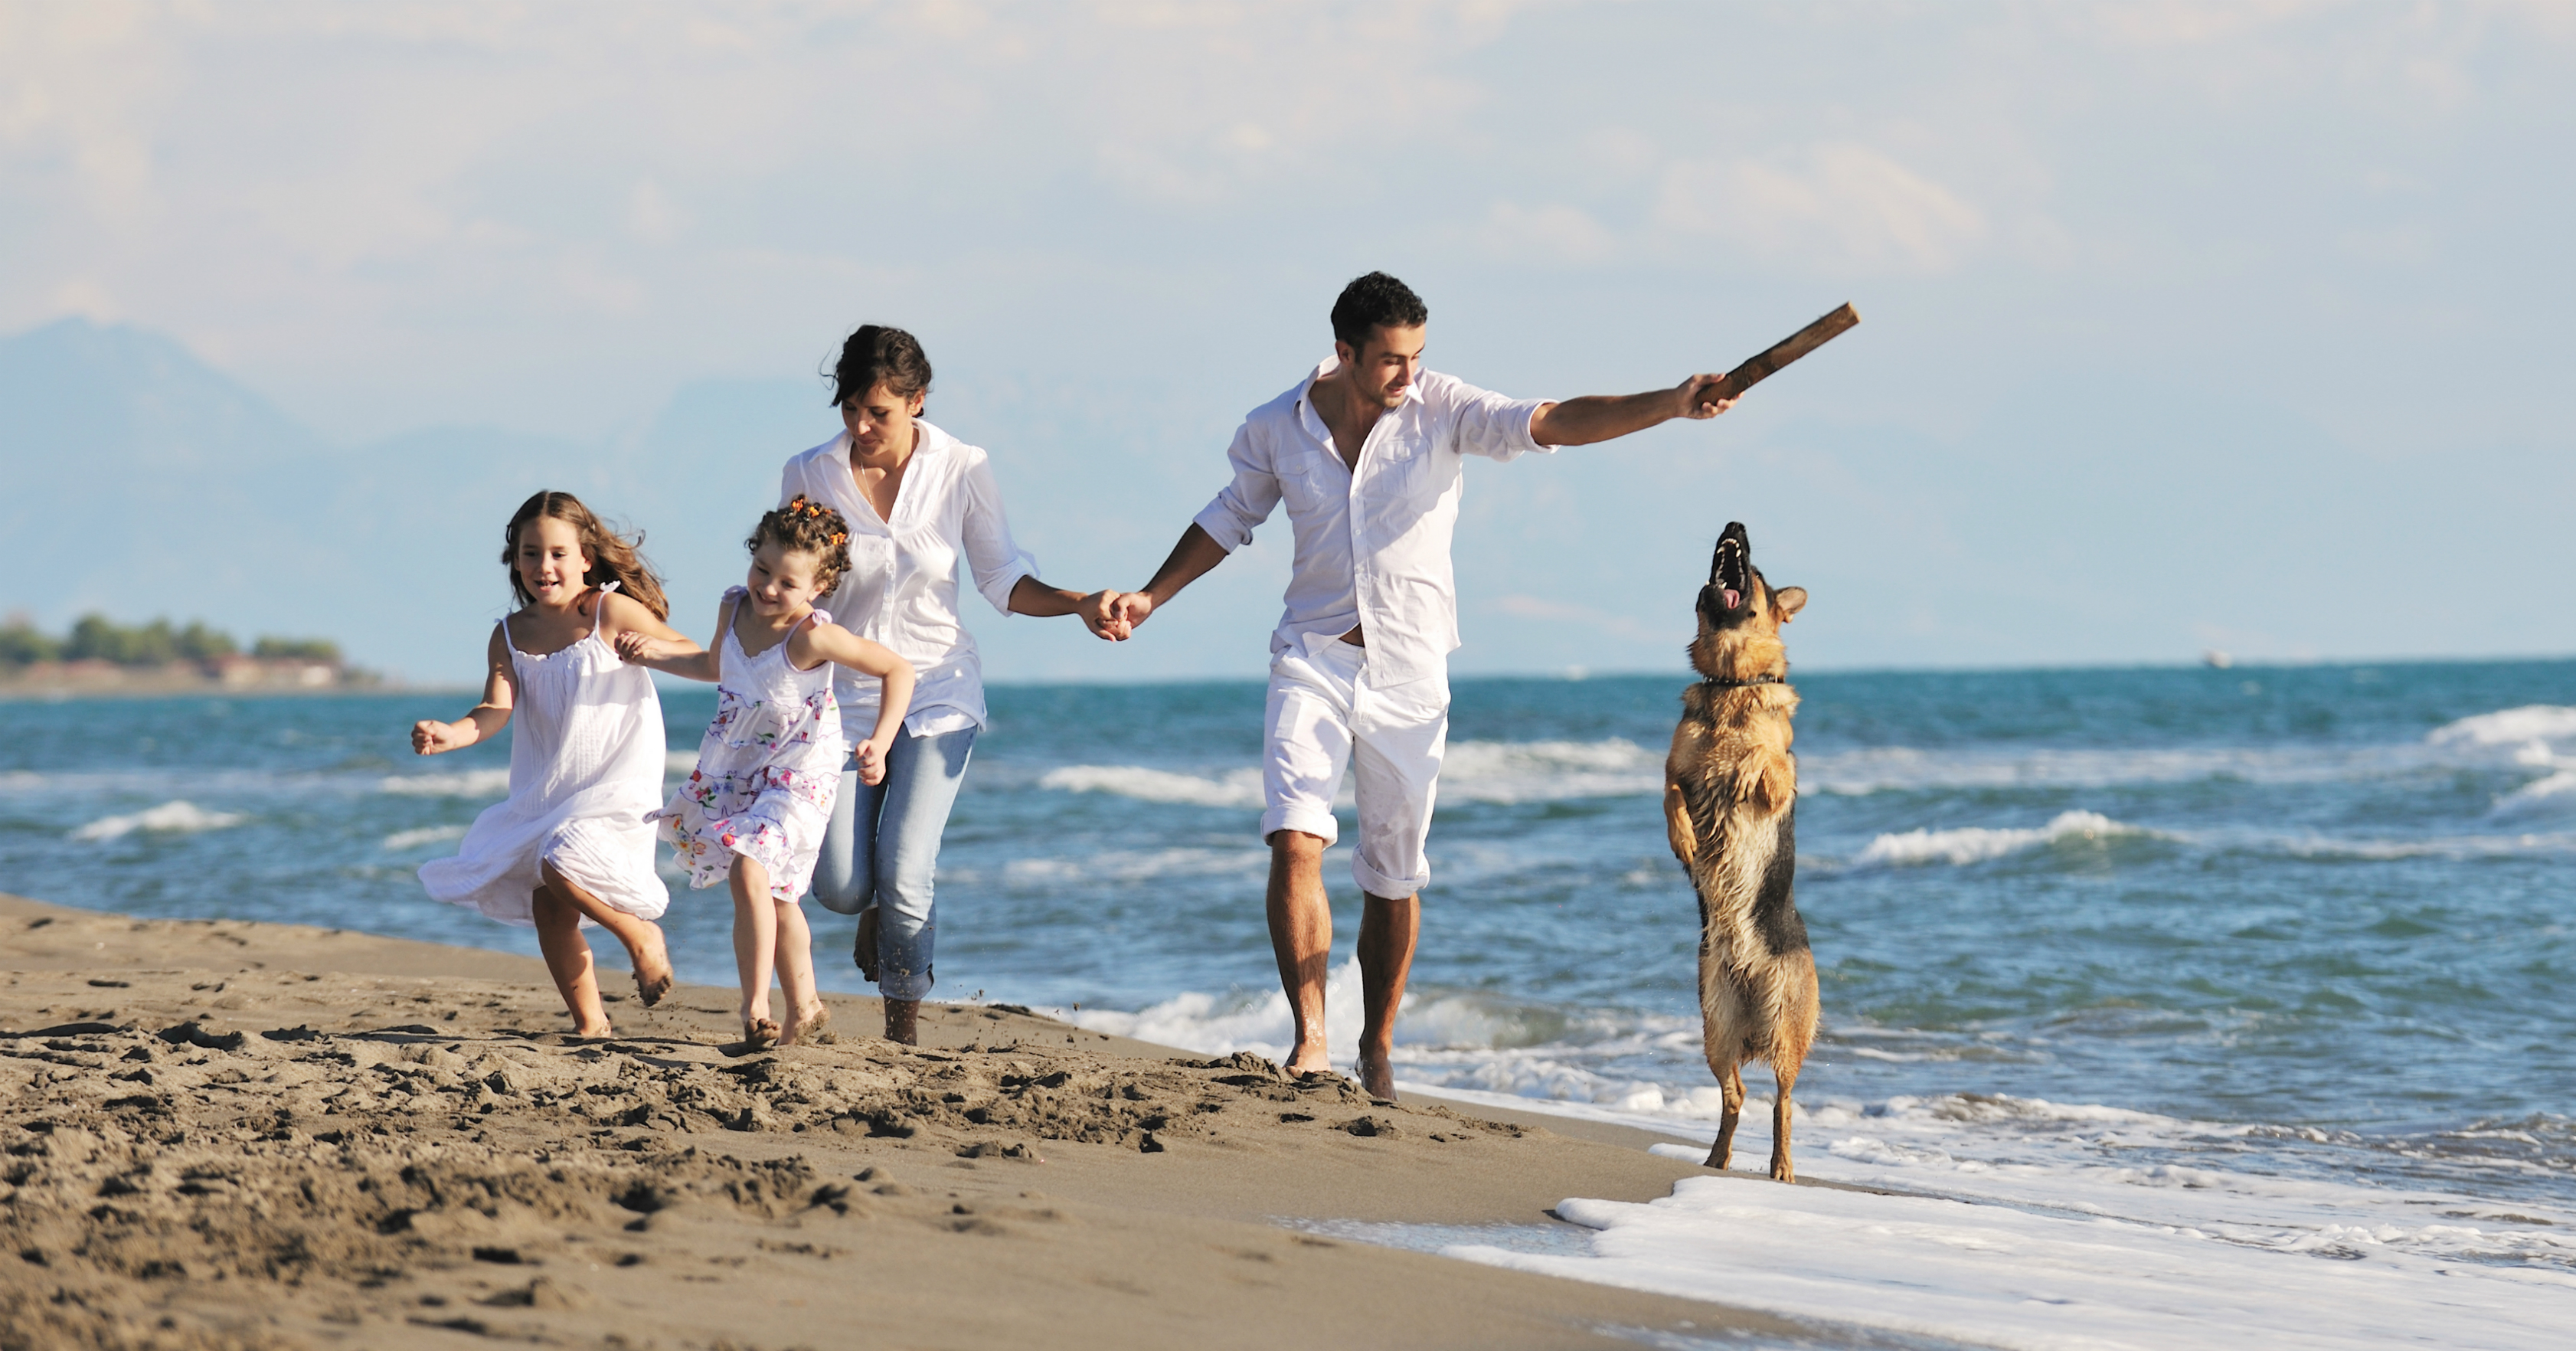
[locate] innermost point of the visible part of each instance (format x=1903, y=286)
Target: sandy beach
x=234, y=1134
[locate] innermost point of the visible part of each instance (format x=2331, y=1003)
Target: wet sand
x=228, y=1134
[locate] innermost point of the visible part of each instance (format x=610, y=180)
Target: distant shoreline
x=56, y=681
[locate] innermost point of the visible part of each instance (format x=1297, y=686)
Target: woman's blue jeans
x=882, y=850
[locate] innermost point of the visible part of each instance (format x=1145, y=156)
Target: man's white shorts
x=1323, y=715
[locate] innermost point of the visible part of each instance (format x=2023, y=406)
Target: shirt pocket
x=1407, y=468
x=1308, y=485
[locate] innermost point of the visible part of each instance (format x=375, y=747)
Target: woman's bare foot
x=864, y=952
x=903, y=1021
x=805, y=1026
x=653, y=975
x=594, y=1031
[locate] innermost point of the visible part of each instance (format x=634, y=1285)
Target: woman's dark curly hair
x=613, y=557
x=807, y=527
x=880, y=355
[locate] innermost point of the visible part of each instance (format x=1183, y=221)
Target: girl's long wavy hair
x=613, y=557
x=807, y=527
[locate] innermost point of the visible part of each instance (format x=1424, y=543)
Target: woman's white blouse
x=901, y=589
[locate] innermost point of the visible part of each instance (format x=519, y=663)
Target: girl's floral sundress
x=767, y=769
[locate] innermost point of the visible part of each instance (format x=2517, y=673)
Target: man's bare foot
x=1377, y=1078
x=903, y=1021
x=653, y=975
x=806, y=1026
x=1308, y=1060
x=864, y=952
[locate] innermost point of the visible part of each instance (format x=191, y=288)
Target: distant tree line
x=95, y=637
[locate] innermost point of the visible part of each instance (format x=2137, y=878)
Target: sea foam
x=1236, y=788
x=1473, y=771
x=2089, y=1267
x=401, y=840
x=2508, y=727
x=168, y=818
x=470, y=783
x=1976, y=844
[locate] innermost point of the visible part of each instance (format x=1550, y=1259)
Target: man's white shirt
x=1372, y=544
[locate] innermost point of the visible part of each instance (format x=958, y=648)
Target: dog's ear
x=1790, y=599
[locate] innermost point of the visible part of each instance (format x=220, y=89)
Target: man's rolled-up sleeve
x=1493, y=425
x=1244, y=503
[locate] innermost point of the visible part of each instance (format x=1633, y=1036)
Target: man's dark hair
x=879, y=355
x=1374, y=300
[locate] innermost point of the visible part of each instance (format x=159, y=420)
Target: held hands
x=432, y=737
x=1131, y=608
x=1699, y=396
x=1100, y=614
x=643, y=649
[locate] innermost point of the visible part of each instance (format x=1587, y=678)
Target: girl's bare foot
x=758, y=1034
x=903, y=1021
x=594, y=1031
x=806, y=1025
x=653, y=975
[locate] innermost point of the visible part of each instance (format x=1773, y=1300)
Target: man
x=1367, y=453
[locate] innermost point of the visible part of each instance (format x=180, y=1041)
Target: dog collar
x=1714, y=683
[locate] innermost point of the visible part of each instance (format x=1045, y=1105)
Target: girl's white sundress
x=767, y=771
x=586, y=766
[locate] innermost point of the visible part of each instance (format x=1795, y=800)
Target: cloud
x=1561, y=612
x=1552, y=233
x=1839, y=208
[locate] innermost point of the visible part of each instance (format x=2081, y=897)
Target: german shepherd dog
x=1730, y=806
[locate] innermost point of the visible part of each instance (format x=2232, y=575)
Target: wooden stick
x=1780, y=354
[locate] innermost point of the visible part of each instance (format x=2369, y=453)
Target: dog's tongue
x=1733, y=598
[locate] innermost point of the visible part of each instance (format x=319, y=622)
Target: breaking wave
x=1473, y=771
x=470, y=783
x=401, y=840
x=168, y=818
x=1976, y=844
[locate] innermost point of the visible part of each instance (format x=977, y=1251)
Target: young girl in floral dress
x=753, y=811
x=573, y=844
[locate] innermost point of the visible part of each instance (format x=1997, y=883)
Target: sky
x=2185, y=326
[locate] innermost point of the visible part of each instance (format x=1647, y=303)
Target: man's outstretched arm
x=1197, y=552
x=1602, y=417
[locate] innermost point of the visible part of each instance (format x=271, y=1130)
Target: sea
x=2162, y=1007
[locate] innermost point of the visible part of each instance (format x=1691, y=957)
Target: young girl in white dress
x=753, y=811
x=573, y=843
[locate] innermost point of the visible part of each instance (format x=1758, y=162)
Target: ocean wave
x=469, y=783
x=1549, y=771
x=2508, y=727
x=1237, y=788
x=2090, y=1262
x=1472, y=771
x=401, y=840
x=168, y=818
x=1127, y=867
x=2436, y=846
x=1977, y=844
x=1897, y=769
x=2551, y=795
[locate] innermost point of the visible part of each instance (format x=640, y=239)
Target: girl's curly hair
x=613, y=557
x=805, y=526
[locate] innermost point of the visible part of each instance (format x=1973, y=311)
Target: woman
x=915, y=498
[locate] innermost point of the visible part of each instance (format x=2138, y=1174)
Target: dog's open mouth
x=1729, y=571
